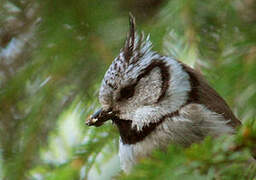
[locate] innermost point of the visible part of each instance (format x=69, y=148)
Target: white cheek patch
x=149, y=88
x=140, y=108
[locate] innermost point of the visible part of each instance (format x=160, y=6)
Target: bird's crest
x=135, y=45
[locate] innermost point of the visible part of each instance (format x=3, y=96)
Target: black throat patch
x=130, y=135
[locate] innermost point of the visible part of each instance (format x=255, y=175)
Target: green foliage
x=53, y=55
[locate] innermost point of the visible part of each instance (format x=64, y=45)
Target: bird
x=156, y=100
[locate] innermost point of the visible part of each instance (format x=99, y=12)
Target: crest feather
x=130, y=41
x=135, y=45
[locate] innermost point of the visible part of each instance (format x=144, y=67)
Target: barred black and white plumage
x=155, y=100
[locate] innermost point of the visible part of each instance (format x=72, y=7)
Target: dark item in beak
x=99, y=117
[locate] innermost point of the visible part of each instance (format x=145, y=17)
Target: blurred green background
x=54, y=53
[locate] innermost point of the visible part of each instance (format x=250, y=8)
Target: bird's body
x=156, y=100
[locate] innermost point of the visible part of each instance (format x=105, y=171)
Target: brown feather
x=202, y=93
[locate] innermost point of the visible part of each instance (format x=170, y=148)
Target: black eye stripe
x=127, y=91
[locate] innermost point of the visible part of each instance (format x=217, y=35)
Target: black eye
x=127, y=92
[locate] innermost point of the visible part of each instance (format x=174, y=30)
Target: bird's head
x=140, y=85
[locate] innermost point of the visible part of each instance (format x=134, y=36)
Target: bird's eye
x=127, y=92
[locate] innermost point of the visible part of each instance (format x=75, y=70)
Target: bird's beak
x=99, y=117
